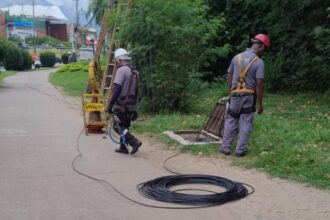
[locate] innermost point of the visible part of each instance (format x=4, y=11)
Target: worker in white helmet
x=124, y=100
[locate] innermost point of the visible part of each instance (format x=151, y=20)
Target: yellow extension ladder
x=123, y=8
x=94, y=102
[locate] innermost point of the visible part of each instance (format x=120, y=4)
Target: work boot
x=242, y=154
x=122, y=149
x=227, y=153
x=135, y=146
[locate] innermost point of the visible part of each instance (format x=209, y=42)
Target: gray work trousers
x=244, y=122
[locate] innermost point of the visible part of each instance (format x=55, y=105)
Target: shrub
x=299, y=31
x=3, y=51
x=169, y=65
x=74, y=67
x=47, y=59
x=14, y=59
x=27, y=60
x=15, y=39
x=77, y=67
x=65, y=58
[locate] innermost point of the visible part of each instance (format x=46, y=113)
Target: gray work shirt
x=255, y=72
x=122, y=78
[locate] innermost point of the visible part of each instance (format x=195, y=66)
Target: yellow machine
x=94, y=102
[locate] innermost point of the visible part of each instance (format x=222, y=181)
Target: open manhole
x=212, y=131
x=193, y=137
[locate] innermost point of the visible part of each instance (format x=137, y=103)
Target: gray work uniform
x=242, y=101
x=123, y=78
x=127, y=101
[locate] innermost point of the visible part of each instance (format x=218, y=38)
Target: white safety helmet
x=122, y=54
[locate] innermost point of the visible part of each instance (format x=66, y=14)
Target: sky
x=81, y=3
x=67, y=6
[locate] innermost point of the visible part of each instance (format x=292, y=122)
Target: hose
x=110, y=132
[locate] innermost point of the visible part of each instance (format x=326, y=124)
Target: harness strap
x=241, y=86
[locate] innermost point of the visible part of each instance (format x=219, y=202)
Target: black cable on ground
x=160, y=188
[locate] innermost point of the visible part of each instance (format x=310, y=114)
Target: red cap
x=263, y=38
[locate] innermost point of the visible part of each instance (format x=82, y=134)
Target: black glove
x=133, y=115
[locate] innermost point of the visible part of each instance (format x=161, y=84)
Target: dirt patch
x=274, y=198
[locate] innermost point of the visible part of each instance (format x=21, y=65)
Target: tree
x=96, y=9
x=299, y=31
x=169, y=42
x=3, y=50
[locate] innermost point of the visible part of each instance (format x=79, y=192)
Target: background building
x=48, y=20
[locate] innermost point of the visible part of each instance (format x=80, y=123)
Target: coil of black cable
x=160, y=189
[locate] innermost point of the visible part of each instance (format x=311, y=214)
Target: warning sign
x=93, y=107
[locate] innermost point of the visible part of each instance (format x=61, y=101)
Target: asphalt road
x=38, y=135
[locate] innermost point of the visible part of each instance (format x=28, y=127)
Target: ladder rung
x=112, y=64
x=108, y=76
x=106, y=88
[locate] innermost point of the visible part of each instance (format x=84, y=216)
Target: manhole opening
x=212, y=130
x=193, y=137
x=196, y=136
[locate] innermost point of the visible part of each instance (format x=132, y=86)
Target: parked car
x=45, y=46
x=60, y=46
x=23, y=45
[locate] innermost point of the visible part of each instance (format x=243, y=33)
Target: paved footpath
x=38, y=133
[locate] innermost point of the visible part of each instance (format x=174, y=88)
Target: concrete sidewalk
x=38, y=134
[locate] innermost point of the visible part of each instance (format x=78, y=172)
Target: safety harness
x=241, y=85
x=129, y=101
x=241, y=90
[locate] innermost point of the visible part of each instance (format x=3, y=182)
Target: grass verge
x=6, y=74
x=73, y=83
x=290, y=140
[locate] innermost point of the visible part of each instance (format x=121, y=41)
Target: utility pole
x=76, y=30
x=33, y=28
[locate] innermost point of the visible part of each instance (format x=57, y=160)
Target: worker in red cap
x=246, y=83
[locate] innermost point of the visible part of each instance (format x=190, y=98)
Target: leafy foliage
x=14, y=59
x=176, y=43
x=27, y=60
x=96, y=10
x=15, y=39
x=299, y=31
x=168, y=40
x=3, y=50
x=74, y=67
x=47, y=58
x=65, y=58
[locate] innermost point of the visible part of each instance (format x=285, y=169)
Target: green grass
x=73, y=83
x=6, y=74
x=290, y=140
